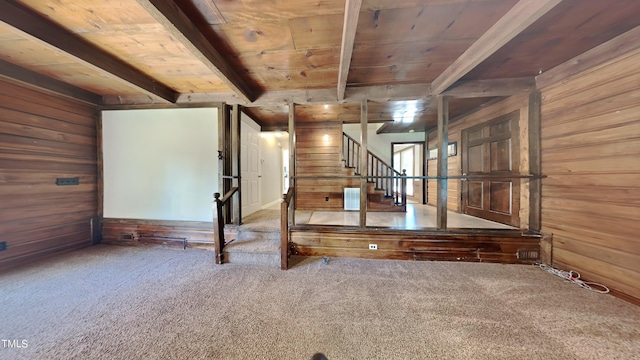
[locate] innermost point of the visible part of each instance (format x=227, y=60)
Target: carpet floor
x=110, y=302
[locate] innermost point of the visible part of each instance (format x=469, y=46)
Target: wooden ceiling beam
x=43, y=30
x=351, y=14
x=523, y=14
x=169, y=14
x=389, y=92
x=308, y=96
x=12, y=71
x=489, y=88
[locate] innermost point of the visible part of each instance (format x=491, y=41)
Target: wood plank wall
x=316, y=157
x=43, y=137
x=591, y=155
x=502, y=247
x=180, y=234
x=518, y=102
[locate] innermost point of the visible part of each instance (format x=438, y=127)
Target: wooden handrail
x=228, y=195
x=288, y=196
x=218, y=223
x=284, y=227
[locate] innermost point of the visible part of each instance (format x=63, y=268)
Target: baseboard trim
x=274, y=202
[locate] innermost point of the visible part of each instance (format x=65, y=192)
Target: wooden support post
x=292, y=160
x=535, y=162
x=425, y=168
x=221, y=153
x=443, y=168
x=363, y=163
x=235, y=166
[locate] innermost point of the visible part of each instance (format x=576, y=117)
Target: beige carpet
x=141, y=303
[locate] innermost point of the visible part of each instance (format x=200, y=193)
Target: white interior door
x=285, y=171
x=250, y=167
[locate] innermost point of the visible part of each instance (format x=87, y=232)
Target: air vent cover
x=528, y=254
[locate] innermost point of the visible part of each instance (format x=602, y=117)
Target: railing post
x=237, y=207
x=404, y=187
x=391, y=190
x=348, y=157
x=358, y=162
x=218, y=229
x=284, y=233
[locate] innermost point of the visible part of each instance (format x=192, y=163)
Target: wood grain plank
x=41, y=234
x=38, y=198
x=64, y=207
x=46, y=221
x=616, y=257
x=52, y=243
x=22, y=118
x=45, y=134
x=21, y=91
x=615, y=132
x=615, y=195
x=19, y=103
x=591, y=225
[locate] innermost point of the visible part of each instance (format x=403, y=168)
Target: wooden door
x=492, y=150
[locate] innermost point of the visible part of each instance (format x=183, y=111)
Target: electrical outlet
x=373, y=246
x=326, y=198
x=3, y=245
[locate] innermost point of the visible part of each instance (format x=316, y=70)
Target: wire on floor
x=574, y=277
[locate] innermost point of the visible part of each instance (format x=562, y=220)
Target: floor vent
x=127, y=236
x=352, y=198
x=528, y=254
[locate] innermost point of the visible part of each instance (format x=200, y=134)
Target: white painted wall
x=380, y=144
x=160, y=164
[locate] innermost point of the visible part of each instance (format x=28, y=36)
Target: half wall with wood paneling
x=44, y=137
x=168, y=233
x=591, y=155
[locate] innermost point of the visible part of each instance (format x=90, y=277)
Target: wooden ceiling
x=325, y=55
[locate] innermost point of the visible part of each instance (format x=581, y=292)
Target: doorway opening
x=409, y=156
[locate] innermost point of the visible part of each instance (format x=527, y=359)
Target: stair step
x=254, y=247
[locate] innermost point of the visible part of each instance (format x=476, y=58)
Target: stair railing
x=379, y=172
x=351, y=152
x=218, y=223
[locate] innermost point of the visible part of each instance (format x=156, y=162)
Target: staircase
x=387, y=188
x=256, y=242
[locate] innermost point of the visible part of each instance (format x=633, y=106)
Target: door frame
x=424, y=163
